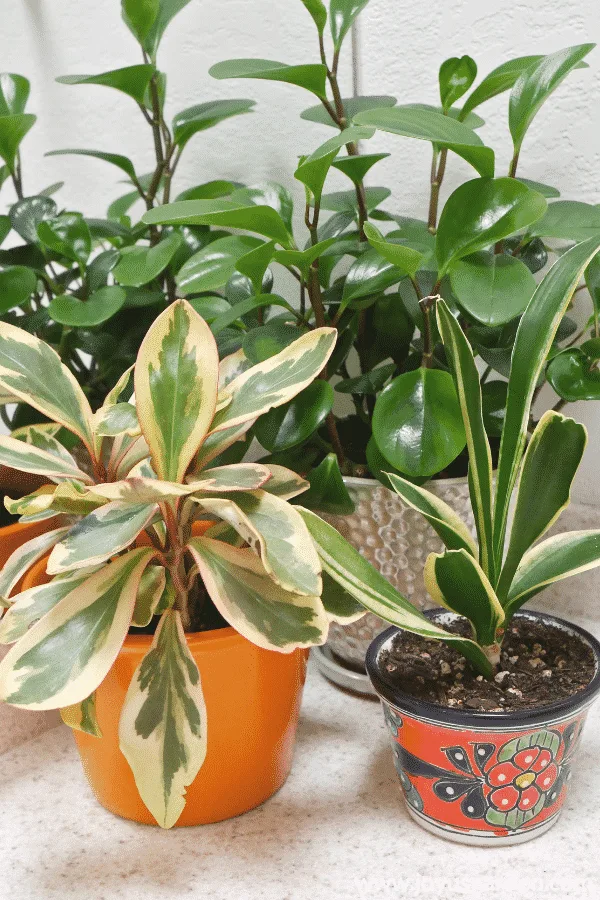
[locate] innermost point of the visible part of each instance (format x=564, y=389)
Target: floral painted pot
x=397, y=541
x=487, y=779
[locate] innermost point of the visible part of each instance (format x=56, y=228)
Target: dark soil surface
x=538, y=666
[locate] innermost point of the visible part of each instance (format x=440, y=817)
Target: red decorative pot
x=488, y=779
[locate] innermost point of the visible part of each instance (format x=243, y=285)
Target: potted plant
x=484, y=748
x=389, y=374
x=149, y=625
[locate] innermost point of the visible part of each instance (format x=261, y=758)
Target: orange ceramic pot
x=253, y=702
x=12, y=536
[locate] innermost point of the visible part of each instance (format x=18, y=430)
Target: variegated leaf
x=112, y=421
x=240, y=477
x=176, y=377
x=162, y=730
x=217, y=442
x=114, y=395
x=150, y=592
x=440, y=516
x=82, y=716
x=27, y=458
x=232, y=366
x=340, y=606
x=129, y=452
x=33, y=372
x=32, y=504
x=65, y=656
x=284, y=483
x=75, y=499
x=139, y=490
x=100, y=535
x=357, y=576
x=43, y=436
x=257, y=607
x=31, y=605
x=276, y=531
x=455, y=580
x=276, y=380
x=25, y=556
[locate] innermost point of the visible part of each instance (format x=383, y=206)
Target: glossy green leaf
x=26, y=215
x=139, y=16
x=14, y=93
x=545, y=190
x=209, y=307
x=327, y=492
x=294, y=422
x=68, y=235
x=132, y=80
x=357, y=167
x=313, y=169
x=311, y=76
x=212, y=267
x=115, y=159
x=369, y=383
x=267, y=193
x=549, y=467
x=17, y=283
x=346, y=202
x=98, y=308
x=352, y=106
x=499, y=80
x=13, y=129
x=442, y=518
x=259, y=219
x=456, y=77
x=302, y=259
x=266, y=340
x=342, y=14
x=455, y=579
x=139, y=265
x=254, y=264
x=417, y=422
x=493, y=400
x=534, y=338
x=493, y=289
x=574, y=376
x=82, y=716
x=568, y=220
x=318, y=13
x=402, y=257
x=427, y=125
x=206, y=115
x=211, y=190
x=536, y=84
x=244, y=307
x=370, y=274
x=481, y=212
x=167, y=10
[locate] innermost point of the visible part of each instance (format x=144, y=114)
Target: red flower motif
x=522, y=780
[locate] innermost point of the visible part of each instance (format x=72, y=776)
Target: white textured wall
x=401, y=47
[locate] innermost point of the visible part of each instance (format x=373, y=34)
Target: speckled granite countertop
x=337, y=830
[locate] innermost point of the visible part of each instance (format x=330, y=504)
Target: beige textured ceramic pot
x=396, y=540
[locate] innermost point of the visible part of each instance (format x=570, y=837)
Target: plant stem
x=512, y=172
x=426, y=305
x=437, y=176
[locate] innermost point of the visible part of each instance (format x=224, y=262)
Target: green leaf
x=357, y=167
x=176, y=375
x=545, y=190
x=399, y=255
x=212, y=267
x=455, y=579
x=442, y=518
x=346, y=202
x=254, y=264
x=167, y=10
x=21, y=559
x=493, y=398
x=244, y=307
x=115, y=159
x=253, y=603
x=14, y=93
x=140, y=16
x=574, y=376
x=342, y=14
x=340, y=606
x=152, y=586
x=98, y=308
x=33, y=372
x=534, y=339
x=553, y=560
x=549, y=467
x=499, y=80
x=267, y=193
x=211, y=190
x=17, y=284
x=492, y=288
x=163, y=724
x=327, y=492
x=100, y=535
x=466, y=381
x=313, y=169
x=427, y=125
x=210, y=307
x=369, y=383
x=13, y=129
x=65, y=656
x=68, y=235
x=352, y=106
x=121, y=418
x=206, y=115
x=456, y=77
x=417, y=422
x=224, y=213
x=294, y=422
x=354, y=573
x=266, y=340
x=303, y=259
x=318, y=13
x=536, y=84
x=480, y=213
x=132, y=80
x=311, y=77
x=139, y=265
x=370, y=274
x=82, y=716
x=568, y=220
x=26, y=215
x=592, y=281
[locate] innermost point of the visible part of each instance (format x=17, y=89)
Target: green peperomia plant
x=494, y=234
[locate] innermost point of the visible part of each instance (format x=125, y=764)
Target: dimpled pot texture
x=253, y=702
x=396, y=540
x=487, y=779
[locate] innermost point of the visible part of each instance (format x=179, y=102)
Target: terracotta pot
x=487, y=779
x=252, y=699
x=397, y=541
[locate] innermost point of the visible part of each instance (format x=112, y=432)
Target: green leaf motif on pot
x=574, y=376
x=492, y=288
x=417, y=422
x=163, y=724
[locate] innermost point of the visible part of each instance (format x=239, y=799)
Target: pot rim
x=353, y=481
x=194, y=639
x=504, y=720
